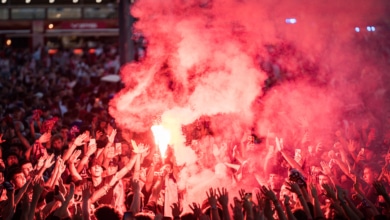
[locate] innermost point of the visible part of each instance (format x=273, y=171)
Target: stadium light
x=291, y=20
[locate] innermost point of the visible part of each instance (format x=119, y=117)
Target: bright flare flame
x=161, y=138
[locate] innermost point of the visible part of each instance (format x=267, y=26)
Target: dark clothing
x=107, y=198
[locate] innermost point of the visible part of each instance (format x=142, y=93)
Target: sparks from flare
x=161, y=138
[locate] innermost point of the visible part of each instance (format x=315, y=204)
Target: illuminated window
x=63, y=13
x=98, y=12
x=28, y=13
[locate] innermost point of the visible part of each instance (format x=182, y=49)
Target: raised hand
x=241, y=192
x=196, y=209
x=325, y=168
x=237, y=209
x=45, y=137
x=293, y=187
x=269, y=194
x=80, y=139
x=140, y=149
x=352, y=145
x=211, y=197
x=176, y=210
x=135, y=185
x=73, y=157
x=41, y=162
x=329, y=191
x=380, y=188
x=223, y=196
x=111, y=137
x=91, y=150
x=86, y=191
x=61, y=164
x=49, y=161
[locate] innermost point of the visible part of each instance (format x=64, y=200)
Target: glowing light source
x=77, y=51
x=357, y=29
x=50, y=26
x=51, y=1
x=28, y=1
x=161, y=138
x=291, y=20
x=52, y=51
x=75, y=1
x=8, y=42
x=370, y=28
x=98, y=1
x=3, y=1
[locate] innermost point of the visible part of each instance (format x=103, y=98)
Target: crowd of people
x=62, y=157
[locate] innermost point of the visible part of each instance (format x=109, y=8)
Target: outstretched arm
x=288, y=158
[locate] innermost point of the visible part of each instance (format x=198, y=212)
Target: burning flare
x=161, y=137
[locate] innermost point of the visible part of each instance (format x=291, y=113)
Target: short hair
x=12, y=171
x=107, y=212
x=56, y=137
x=24, y=162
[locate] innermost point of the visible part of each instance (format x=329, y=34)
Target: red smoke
x=212, y=57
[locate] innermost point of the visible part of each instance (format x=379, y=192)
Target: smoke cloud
x=213, y=58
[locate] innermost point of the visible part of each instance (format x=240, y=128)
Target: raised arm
x=77, y=142
x=37, y=191
x=294, y=187
x=212, y=199
x=318, y=214
x=270, y=195
x=347, y=210
x=71, y=165
x=290, y=160
x=287, y=206
x=223, y=199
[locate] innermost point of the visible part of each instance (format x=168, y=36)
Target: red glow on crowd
x=216, y=58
